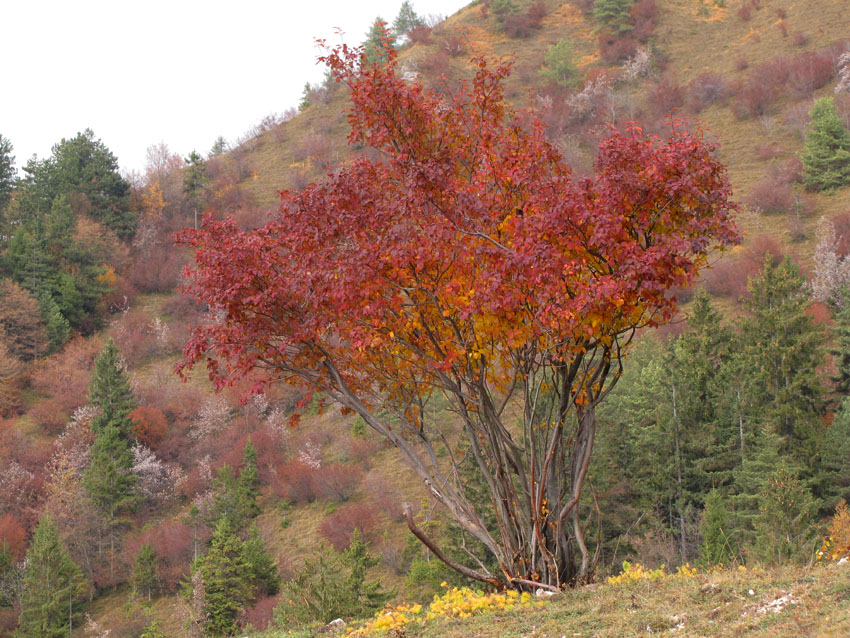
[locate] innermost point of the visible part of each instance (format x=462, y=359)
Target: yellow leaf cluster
x=457, y=602
x=636, y=572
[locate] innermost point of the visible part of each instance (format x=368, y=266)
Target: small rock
x=543, y=592
x=334, y=625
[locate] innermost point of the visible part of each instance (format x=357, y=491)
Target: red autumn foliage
x=50, y=415
x=420, y=34
x=149, y=426
x=296, y=482
x=337, y=481
x=614, y=48
x=454, y=261
x=664, y=95
x=174, y=547
x=159, y=270
x=642, y=16
x=14, y=535
x=338, y=527
x=809, y=72
x=771, y=195
x=261, y=613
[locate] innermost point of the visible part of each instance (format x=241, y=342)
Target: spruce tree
x=377, y=38
x=7, y=175
x=109, y=479
x=58, y=328
x=225, y=574
x=783, y=348
x=406, y=20
x=841, y=332
x=826, y=158
x=53, y=587
x=144, y=575
x=716, y=547
x=110, y=391
x=248, y=485
x=263, y=573
x=834, y=475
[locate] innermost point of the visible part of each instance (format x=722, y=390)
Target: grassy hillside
x=780, y=603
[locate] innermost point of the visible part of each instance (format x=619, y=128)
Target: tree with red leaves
x=467, y=263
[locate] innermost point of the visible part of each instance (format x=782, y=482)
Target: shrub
x=65, y=375
x=642, y=15
x=614, y=49
x=453, y=43
x=337, y=481
x=771, y=195
x=810, y=71
x=174, y=546
x=706, y=89
x=50, y=415
x=260, y=615
x=149, y=426
x=14, y=536
x=159, y=271
x=664, y=95
x=768, y=151
x=296, y=482
x=745, y=12
x=799, y=39
x=338, y=527
x=536, y=12
x=517, y=25
x=420, y=34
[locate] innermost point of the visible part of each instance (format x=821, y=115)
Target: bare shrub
x=664, y=95
x=338, y=481
x=771, y=195
x=799, y=39
x=810, y=71
x=706, y=89
x=338, y=527
x=745, y=12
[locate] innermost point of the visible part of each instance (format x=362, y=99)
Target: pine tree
x=834, y=475
x=826, y=158
x=406, y=20
x=110, y=391
x=194, y=181
x=225, y=574
x=716, y=548
x=613, y=14
x=109, y=479
x=53, y=587
x=331, y=585
x=144, y=575
x=7, y=175
x=263, y=573
x=248, y=485
x=783, y=348
x=377, y=39
x=841, y=332
x=58, y=328
x=559, y=63
x=9, y=576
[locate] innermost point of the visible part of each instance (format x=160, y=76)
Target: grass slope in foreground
x=788, y=602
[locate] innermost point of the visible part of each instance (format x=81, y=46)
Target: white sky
x=181, y=72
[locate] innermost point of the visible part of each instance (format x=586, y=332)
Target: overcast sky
x=181, y=72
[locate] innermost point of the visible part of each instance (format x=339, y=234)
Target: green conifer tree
x=109, y=478
x=144, y=576
x=53, y=587
x=834, y=475
x=717, y=548
x=262, y=570
x=58, y=328
x=406, y=20
x=248, y=485
x=225, y=574
x=110, y=391
x=782, y=349
x=7, y=175
x=377, y=38
x=613, y=14
x=826, y=158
